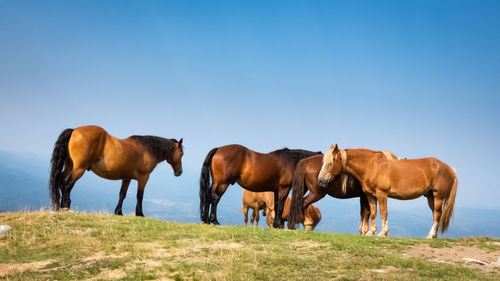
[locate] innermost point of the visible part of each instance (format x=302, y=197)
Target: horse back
x=410, y=178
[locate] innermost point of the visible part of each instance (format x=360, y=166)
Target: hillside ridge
x=90, y=246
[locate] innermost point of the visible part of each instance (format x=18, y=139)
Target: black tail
x=299, y=188
x=205, y=186
x=59, y=157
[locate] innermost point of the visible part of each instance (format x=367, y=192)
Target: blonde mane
x=343, y=175
x=389, y=155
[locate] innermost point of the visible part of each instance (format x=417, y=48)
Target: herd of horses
x=267, y=178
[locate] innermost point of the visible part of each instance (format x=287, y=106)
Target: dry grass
x=75, y=246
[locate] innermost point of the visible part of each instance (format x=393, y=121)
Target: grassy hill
x=68, y=246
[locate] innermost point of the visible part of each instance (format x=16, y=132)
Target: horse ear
x=331, y=146
x=336, y=148
x=180, y=141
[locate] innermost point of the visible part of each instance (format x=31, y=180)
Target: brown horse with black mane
x=251, y=170
x=92, y=148
x=343, y=187
x=396, y=178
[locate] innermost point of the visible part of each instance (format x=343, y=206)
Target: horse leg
x=270, y=217
x=438, y=207
x=252, y=218
x=123, y=193
x=311, y=198
x=141, y=184
x=382, y=201
x=217, y=192
x=73, y=176
x=372, y=200
x=365, y=215
x=245, y=215
x=257, y=218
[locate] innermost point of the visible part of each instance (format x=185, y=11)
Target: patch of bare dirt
x=221, y=245
x=13, y=268
x=88, y=261
x=309, y=245
x=470, y=255
x=108, y=274
x=81, y=231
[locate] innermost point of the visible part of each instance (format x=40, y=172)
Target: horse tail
x=449, y=203
x=296, y=214
x=205, y=186
x=58, y=161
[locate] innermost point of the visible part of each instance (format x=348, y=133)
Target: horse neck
x=357, y=162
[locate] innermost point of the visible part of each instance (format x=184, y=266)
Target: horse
x=257, y=201
x=253, y=171
x=92, y=148
x=265, y=201
x=343, y=186
x=401, y=179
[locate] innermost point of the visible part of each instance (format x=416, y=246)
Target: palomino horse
x=251, y=170
x=400, y=179
x=306, y=178
x=265, y=201
x=92, y=148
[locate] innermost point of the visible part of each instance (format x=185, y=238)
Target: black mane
x=295, y=154
x=158, y=147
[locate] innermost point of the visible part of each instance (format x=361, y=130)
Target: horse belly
x=408, y=189
x=100, y=168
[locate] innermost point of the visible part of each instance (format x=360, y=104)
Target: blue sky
x=418, y=78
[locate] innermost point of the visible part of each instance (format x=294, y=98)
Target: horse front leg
x=123, y=193
x=277, y=213
x=372, y=200
x=382, y=201
x=278, y=209
x=141, y=184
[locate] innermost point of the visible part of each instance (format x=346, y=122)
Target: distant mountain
x=24, y=186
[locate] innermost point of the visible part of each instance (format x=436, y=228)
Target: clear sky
x=418, y=78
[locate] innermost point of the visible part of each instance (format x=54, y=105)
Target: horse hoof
x=139, y=215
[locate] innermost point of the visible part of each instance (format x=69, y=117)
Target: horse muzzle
x=323, y=183
x=178, y=173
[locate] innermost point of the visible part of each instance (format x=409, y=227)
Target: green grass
x=81, y=246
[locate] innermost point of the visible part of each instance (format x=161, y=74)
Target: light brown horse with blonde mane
x=92, y=148
x=401, y=179
x=265, y=201
x=344, y=186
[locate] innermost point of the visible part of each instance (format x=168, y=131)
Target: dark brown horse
x=251, y=170
x=306, y=178
x=92, y=148
x=401, y=179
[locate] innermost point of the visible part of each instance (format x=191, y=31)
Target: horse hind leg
x=217, y=192
x=252, y=218
x=365, y=215
x=436, y=205
x=72, y=176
